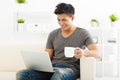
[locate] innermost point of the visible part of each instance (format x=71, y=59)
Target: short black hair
x=64, y=8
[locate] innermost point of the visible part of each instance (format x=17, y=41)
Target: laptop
x=37, y=61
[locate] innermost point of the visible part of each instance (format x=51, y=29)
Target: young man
x=68, y=35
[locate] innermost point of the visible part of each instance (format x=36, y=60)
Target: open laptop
x=37, y=61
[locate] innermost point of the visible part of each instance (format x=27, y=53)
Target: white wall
x=85, y=10
x=99, y=9
x=9, y=8
x=6, y=17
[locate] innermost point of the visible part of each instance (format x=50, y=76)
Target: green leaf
x=20, y=21
x=20, y=1
x=113, y=17
x=95, y=20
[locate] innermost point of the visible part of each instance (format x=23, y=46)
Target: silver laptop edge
x=37, y=60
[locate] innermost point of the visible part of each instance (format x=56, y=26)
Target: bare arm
x=91, y=52
x=50, y=52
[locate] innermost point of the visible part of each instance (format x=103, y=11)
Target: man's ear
x=72, y=17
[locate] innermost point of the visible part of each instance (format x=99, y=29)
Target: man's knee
x=63, y=74
x=32, y=75
x=23, y=75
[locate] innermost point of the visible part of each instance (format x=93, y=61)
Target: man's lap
x=61, y=72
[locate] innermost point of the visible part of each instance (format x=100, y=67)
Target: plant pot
x=94, y=24
x=114, y=24
x=21, y=7
x=20, y=27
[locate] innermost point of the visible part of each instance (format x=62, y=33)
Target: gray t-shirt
x=79, y=38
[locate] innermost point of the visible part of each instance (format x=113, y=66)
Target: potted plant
x=113, y=18
x=20, y=25
x=21, y=5
x=94, y=23
x=21, y=1
x=20, y=20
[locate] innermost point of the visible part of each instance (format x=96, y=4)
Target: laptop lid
x=37, y=60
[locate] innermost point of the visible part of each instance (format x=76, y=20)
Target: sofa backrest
x=10, y=56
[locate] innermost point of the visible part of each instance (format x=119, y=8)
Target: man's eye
x=58, y=20
x=64, y=20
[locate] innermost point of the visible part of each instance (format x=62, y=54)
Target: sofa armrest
x=87, y=68
x=7, y=75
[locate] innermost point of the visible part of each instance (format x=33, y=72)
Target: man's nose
x=61, y=22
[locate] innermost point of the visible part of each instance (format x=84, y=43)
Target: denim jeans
x=61, y=72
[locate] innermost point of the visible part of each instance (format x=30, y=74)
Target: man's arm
x=50, y=52
x=92, y=51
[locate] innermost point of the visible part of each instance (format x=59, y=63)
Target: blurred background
x=29, y=23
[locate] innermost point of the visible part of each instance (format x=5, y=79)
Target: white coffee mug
x=69, y=51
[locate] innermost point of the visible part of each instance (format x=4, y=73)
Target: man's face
x=65, y=21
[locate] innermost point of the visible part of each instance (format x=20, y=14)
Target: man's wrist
x=83, y=53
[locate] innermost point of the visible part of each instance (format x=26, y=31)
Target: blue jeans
x=61, y=72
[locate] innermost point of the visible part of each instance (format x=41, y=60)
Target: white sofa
x=87, y=68
x=11, y=61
